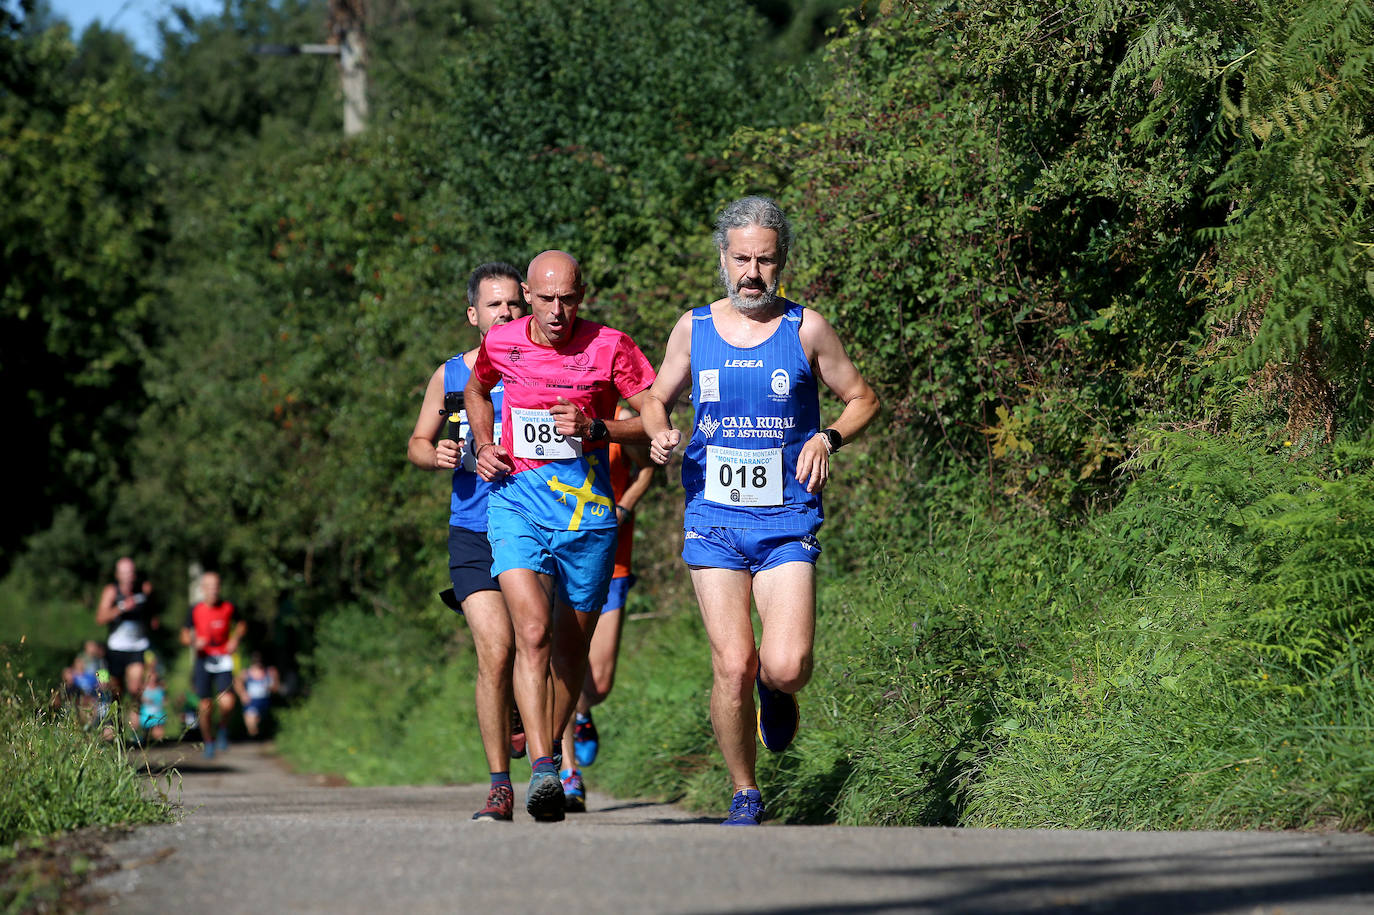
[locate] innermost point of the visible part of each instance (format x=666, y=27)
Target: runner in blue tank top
x=493, y=298
x=753, y=471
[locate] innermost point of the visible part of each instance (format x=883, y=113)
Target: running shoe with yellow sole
x=778, y=717
x=574, y=793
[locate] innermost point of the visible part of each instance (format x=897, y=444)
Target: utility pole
x=346, y=19
x=348, y=42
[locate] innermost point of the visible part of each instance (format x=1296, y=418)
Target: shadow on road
x=190, y=762
x=1142, y=884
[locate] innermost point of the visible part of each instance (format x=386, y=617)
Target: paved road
x=257, y=839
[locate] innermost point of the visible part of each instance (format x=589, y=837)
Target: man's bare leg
x=786, y=598
x=529, y=597
x=207, y=732
x=225, y=701
x=573, y=632
x=601, y=660
x=494, y=640
x=724, y=598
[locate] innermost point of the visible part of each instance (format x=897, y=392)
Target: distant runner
x=255, y=688
x=551, y=519
x=153, y=710
x=753, y=473
x=632, y=472
x=493, y=296
x=214, y=634
x=126, y=608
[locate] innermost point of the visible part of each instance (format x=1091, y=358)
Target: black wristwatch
x=598, y=431
x=833, y=439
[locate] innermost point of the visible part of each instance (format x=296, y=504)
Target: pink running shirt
x=558, y=483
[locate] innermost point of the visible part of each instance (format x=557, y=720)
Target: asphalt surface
x=255, y=838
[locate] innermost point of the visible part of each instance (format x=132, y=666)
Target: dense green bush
x=388, y=704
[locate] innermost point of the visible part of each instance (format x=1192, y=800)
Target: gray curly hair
x=755, y=211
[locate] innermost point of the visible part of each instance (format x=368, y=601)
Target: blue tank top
x=468, y=505
x=755, y=409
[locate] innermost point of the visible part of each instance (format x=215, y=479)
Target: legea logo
x=782, y=383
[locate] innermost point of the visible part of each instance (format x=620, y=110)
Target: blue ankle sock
x=544, y=764
x=500, y=778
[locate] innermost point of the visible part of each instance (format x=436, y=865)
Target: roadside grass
x=55, y=775
x=1196, y=657
x=1186, y=660
x=389, y=704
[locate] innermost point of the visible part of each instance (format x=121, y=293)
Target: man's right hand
x=447, y=454
x=493, y=462
x=661, y=445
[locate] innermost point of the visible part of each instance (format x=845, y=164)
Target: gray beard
x=745, y=306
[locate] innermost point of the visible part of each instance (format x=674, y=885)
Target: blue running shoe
x=746, y=809
x=585, y=740
x=574, y=794
x=544, y=800
x=222, y=740
x=778, y=717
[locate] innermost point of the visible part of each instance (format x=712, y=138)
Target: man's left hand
x=569, y=420
x=813, y=464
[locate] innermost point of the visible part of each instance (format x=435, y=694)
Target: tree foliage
x=310, y=292
x=80, y=228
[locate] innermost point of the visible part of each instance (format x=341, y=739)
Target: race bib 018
x=739, y=476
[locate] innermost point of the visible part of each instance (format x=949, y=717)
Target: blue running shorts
x=580, y=562
x=469, y=562
x=753, y=551
x=619, y=592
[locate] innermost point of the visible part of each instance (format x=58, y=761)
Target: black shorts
x=208, y=685
x=119, y=661
x=469, y=562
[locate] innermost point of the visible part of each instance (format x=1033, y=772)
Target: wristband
x=833, y=440
x=477, y=452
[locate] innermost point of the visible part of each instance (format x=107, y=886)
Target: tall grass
x=1196, y=657
x=389, y=704
x=55, y=774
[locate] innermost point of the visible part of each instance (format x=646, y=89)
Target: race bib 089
x=739, y=476
x=535, y=437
